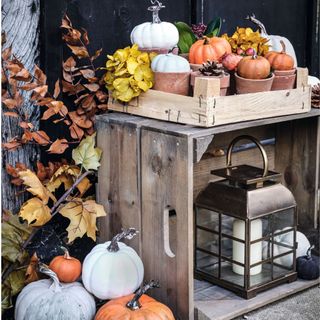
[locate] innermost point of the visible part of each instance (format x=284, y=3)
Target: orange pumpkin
x=208, y=49
x=67, y=268
x=253, y=67
x=135, y=307
x=280, y=60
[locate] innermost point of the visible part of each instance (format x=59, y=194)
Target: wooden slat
x=297, y=156
x=119, y=181
x=215, y=303
x=166, y=169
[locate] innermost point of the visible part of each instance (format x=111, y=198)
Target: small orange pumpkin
x=280, y=60
x=208, y=49
x=135, y=307
x=253, y=67
x=67, y=268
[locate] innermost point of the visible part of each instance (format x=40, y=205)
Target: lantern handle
x=257, y=143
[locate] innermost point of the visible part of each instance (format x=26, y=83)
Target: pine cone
x=212, y=68
x=315, y=96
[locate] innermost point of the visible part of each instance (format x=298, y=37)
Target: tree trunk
x=20, y=22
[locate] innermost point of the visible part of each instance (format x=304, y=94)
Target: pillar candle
x=238, y=247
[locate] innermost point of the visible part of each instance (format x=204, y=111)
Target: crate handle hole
x=168, y=213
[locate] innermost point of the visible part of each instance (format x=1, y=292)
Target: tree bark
x=20, y=22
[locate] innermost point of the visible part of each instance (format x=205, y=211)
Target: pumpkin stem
x=66, y=252
x=134, y=303
x=125, y=234
x=157, y=6
x=56, y=285
x=309, y=251
x=283, y=46
x=257, y=22
x=206, y=40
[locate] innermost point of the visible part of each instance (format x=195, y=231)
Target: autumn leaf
x=23, y=75
x=10, y=103
x=69, y=64
x=41, y=137
x=59, y=146
x=11, y=145
x=85, y=37
x=6, y=53
x=96, y=55
x=79, y=51
x=54, y=107
x=11, y=114
x=41, y=78
x=36, y=212
x=87, y=73
x=29, y=86
x=31, y=274
x=35, y=186
x=66, y=23
x=67, y=175
x=76, y=132
x=56, y=89
x=80, y=121
x=92, y=87
x=86, y=154
x=82, y=216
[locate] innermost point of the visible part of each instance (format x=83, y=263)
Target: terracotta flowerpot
x=224, y=81
x=284, y=79
x=172, y=82
x=244, y=85
x=184, y=55
x=195, y=67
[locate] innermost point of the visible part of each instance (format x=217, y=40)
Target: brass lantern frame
x=247, y=193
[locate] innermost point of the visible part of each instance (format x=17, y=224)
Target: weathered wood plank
x=166, y=170
x=20, y=21
x=297, y=156
x=215, y=303
x=119, y=181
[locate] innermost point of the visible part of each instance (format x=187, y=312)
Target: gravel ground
x=302, y=306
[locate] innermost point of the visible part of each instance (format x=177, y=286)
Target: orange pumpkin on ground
x=280, y=60
x=135, y=307
x=208, y=49
x=253, y=67
x=67, y=268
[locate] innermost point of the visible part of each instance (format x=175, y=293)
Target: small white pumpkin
x=170, y=63
x=49, y=299
x=155, y=34
x=113, y=269
x=274, y=41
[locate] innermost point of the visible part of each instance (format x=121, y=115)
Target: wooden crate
x=152, y=170
x=208, y=109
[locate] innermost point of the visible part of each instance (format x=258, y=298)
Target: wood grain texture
x=20, y=21
x=166, y=170
x=119, y=181
x=297, y=156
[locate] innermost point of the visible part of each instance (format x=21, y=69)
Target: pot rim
x=258, y=80
x=172, y=73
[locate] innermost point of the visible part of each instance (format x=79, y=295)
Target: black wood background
x=109, y=23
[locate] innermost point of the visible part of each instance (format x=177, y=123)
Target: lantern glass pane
x=266, y=225
x=227, y=225
x=207, y=263
x=208, y=219
x=207, y=241
x=260, y=274
x=283, y=219
x=228, y=273
x=283, y=265
x=226, y=247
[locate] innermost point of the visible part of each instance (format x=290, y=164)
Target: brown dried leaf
x=11, y=145
x=56, y=89
x=41, y=137
x=31, y=272
x=87, y=73
x=79, y=51
x=39, y=92
x=76, y=132
x=29, y=86
x=66, y=23
x=13, y=67
x=96, y=54
x=6, y=53
x=23, y=75
x=44, y=101
x=69, y=64
x=41, y=78
x=81, y=121
x=88, y=102
x=59, y=146
x=102, y=96
x=26, y=125
x=10, y=103
x=103, y=107
x=67, y=76
x=11, y=170
x=72, y=89
x=11, y=114
x=54, y=107
x=27, y=136
x=72, y=37
x=80, y=98
x=92, y=87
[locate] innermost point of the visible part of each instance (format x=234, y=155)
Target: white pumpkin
x=274, y=41
x=113, y=269
x=170, y=63
x=156, y=34
x=303, y=245
x=49, y=299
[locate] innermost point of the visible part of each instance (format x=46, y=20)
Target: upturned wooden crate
x=151, y=172
x=207, y=109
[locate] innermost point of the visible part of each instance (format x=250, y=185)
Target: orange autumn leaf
x=59, y=146
x=41, y=137
x=31, y=272
x=56, y=89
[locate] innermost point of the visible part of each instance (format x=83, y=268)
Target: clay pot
x=159, y=50
x=195, y=67
x=172, y=82
x=244, y=85
x=284, y=79
x=224, y=81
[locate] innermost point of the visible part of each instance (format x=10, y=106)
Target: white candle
x=238, y=247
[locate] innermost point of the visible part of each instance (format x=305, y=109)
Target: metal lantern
x=245, y=229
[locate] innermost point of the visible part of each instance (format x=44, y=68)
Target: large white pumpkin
x=274, y=40
x=155, y=34
x=170, y=63
x=113, y=269
x=49, y=299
